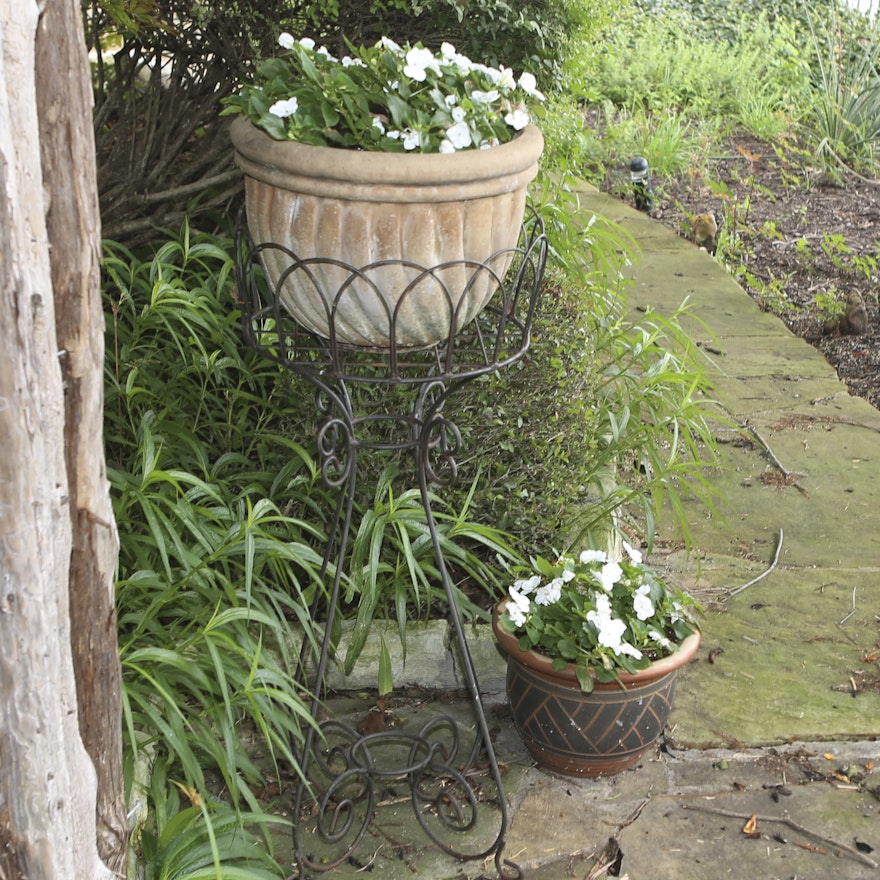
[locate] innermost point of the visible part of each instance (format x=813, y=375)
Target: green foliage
x=221, y=517
x=673, y=142
x=769, y=291
x=203, y=841
x=661, y=58
x=211, y=572
x=724, y=20
x=608, y=417
x=392, y=564
x=844, y=121
x=127, y=16
x=533, y=37
x=604, y=617
x=654, y=444
x=830, y=303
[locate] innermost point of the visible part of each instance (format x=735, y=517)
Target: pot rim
x=544, y=665
x=517, y=158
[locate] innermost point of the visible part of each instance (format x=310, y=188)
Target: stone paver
x=794, y=655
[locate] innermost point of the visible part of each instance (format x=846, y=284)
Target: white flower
x=326, y=53
x=418, y=62
x=394, y=135
x=642, y=604
x=286, y=41
x=459, y=135
x=550, y=593
x=485, y=97
x=567, y=575
x=348, y=61
x=528, y=83
x=627, y=648
x=589, y=556
x=412, y=140
x=633, y=554
x=451, y=100
x=391, y=46
x=657, y=637
x=446, y=146
x=462, y=62
x=527, y=586
x=284, y=108
x=518, y=118
x=609, y=575
x=503, y=77
x=377, y=123
x=518, y=607
x=307, y=43
x=458, y=114
x=611, y=629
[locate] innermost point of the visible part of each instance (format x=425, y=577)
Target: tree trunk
x=57, y=542
x=67, y=149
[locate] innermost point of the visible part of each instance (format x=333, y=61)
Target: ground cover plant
x=222, y=519
x=215, y=560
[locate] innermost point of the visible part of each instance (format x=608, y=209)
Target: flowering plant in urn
x=384, y=190
x=602, y=616
x=386, y=97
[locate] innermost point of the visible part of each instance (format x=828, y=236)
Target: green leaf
x=386, y=683
x=567, y=649
x=585, y=679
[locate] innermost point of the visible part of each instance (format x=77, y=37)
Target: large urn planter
x=377, y=249
x=596, y=734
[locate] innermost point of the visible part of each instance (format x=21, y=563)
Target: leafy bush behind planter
x=607, y=422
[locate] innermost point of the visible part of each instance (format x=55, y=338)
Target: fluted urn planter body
x=365, y=227
x=595, y=734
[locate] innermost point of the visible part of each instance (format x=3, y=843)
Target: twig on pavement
x=795, y=826
x=753, y=581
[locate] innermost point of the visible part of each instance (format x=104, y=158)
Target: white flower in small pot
x=466, y=132
x=577, y=633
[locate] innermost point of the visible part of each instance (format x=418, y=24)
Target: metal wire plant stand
x=391, y=398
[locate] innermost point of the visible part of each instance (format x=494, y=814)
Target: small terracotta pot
x=596, y=734
x=368, y=226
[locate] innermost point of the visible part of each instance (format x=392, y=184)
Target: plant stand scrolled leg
x=345, y=774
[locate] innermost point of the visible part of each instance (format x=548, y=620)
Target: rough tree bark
x=57, y=541
x=67, y=148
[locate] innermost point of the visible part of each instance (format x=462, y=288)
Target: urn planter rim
x=541, y=663
x=517, y=156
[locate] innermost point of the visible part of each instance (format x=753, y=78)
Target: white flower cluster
x=460, y=108
x=610, y=629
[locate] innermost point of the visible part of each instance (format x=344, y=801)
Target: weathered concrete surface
x=802, y=463
x=794, y=656
x=679, y=814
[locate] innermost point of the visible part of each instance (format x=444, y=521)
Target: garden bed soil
x=797, y=239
